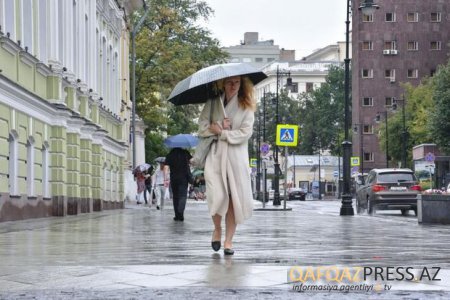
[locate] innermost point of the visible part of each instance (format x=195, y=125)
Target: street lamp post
x=276, y=181
x=377, y=119
x=347, y=209
x=404, y=133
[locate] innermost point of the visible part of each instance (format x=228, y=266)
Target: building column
x=86, y=184
x=73, y=173
x=58, y=170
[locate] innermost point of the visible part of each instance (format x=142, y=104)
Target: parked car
x=388, y=189
x=296, y=193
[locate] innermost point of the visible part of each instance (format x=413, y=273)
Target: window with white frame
x=412, y=17
x=367, y=45
x=367, y=17
x=368, y=156
x=435, y=17
x=413, y=73
x=390, y=17
x=390, y=45
x=309, y=87
x=367, y=101
x=367, y=73
x=367, y=129
x=435, y=45
x=413, y=46
x=389, y=73
x=388, y=101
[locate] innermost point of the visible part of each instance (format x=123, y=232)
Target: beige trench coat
x=228, y=159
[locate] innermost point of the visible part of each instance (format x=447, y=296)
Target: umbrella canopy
x=160, y=159
x=143, y=167
x=199, y=87
x=181, y=141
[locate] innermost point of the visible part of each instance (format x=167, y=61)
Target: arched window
x=13, y=162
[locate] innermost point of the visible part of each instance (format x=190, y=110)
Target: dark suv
x=388, y=189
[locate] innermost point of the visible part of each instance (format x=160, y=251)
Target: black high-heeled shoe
x=228, y=251
x=215, y=245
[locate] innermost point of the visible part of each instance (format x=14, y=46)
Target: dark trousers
x=179, y=193
x=149, y=189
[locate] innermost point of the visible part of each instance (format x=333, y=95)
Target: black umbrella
x=199, y=87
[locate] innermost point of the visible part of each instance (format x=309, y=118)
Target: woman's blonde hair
x=246, y=97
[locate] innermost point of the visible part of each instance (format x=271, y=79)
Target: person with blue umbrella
x=180, y=172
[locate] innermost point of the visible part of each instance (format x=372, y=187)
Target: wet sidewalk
x=140, y=252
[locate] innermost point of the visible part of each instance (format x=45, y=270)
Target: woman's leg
x=230, y=226
x=217, y=234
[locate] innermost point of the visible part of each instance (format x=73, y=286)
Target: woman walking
x=228, y=183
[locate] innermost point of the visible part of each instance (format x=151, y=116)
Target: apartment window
x=368, y=129
x=412, y=17
x=413, y=73
x=389, y=73
x=258, y=59
x=413, y=46
x=367, y=17
x=388, y=101
x=367, y=101
x=309, y=87
x=390, y=17
x=435, y=17
x=390, y=45
x=435, y=45
x=367, y=73
x=270, y=59
x=367, y=45
x=368, y=156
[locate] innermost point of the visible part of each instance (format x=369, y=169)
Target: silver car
x=388, y=189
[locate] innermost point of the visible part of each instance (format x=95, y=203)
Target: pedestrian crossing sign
x=354, y=161
x=253, y=162
x=287, y=135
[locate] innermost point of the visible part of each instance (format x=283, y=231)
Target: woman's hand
x=215, y=128
x=226, y=124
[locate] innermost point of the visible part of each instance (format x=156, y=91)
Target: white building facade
x=64, y=106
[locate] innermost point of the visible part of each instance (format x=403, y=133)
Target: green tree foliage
x=418, y=103
x=439, y=124
x=169, y=47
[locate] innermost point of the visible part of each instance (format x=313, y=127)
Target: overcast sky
x=302, y=25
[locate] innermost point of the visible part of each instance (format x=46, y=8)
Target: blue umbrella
x=181, y=141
